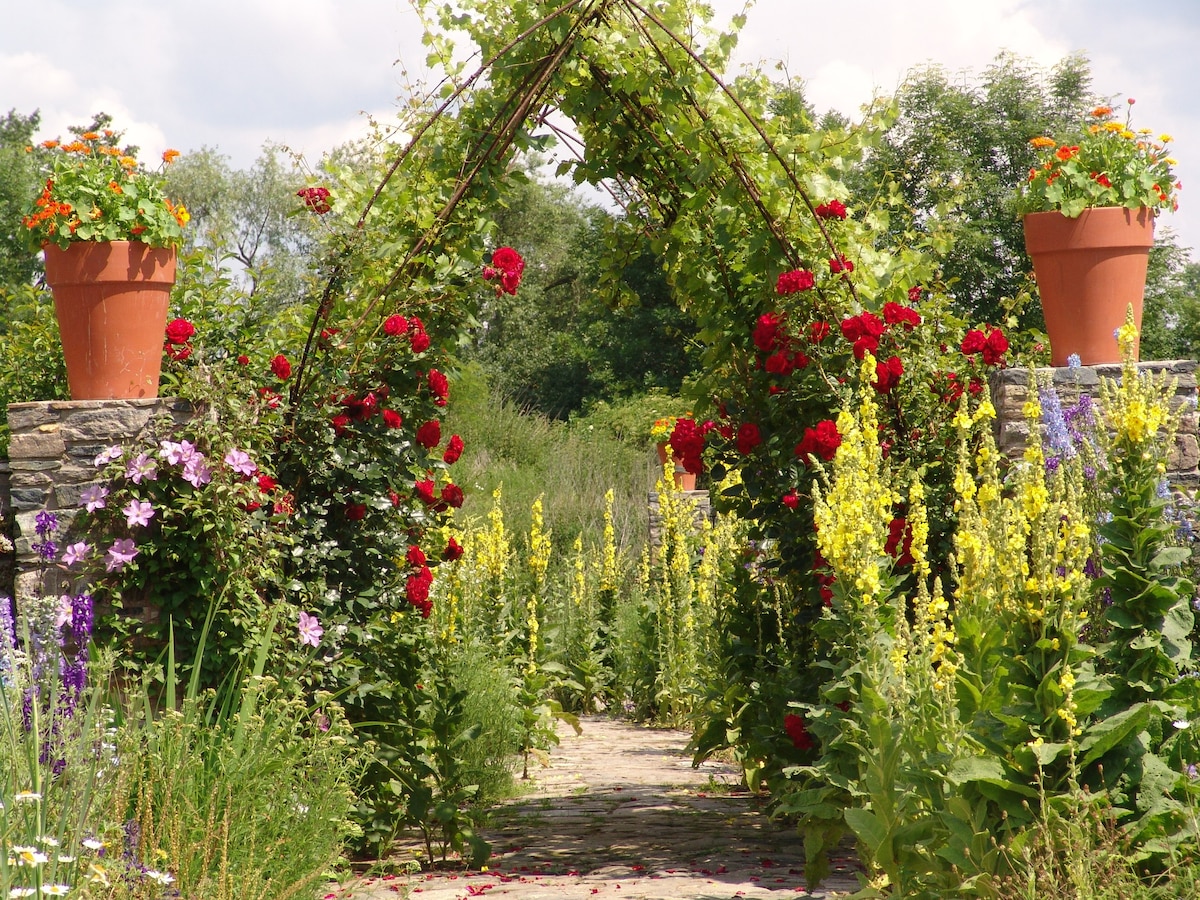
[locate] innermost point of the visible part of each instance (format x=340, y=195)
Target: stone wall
x=51, y=460
x=1010, y=388
x=6, y=557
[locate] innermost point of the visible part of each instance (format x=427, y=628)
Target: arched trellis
x=672, y=152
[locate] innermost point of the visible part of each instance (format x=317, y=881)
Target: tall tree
x=958, y=148
x=18, y=186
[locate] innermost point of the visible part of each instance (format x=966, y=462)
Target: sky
x=236, y=74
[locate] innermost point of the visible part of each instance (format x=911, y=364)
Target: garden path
x=620, y=813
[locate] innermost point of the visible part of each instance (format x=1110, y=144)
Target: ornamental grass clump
x=1104, y=163
x=96, y=190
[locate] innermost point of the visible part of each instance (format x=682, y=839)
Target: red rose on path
x=179, y=331
x=454, y=450
x=395, y=326
x=429, y=435
x=281, y=367
x=798, y=732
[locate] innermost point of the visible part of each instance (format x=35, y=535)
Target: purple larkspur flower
x=47, y=550
x=45, y=523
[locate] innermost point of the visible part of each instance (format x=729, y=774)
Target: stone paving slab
x=620, y=813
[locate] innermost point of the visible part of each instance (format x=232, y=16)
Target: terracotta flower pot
x=111, y=302
x=684, y=480
x=1089, y=271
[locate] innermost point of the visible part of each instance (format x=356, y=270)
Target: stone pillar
x=701, y=502
x=1010, y=388
x=51, y=460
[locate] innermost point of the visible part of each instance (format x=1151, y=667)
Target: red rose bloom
x=281, y=367
x=798, y=732
x=766, y=332
x=840, y=264
x=821, y=441
x=914, y=294
x=452, y=495
x=356, y=512
x=395, y=326
x=748, y=437
x=453, y=550
x=506, y=259
x=791, y=499
x=895, y=314
x=995, y=347
x=454, y=450
x=243, y=360
x=316, y=199
x=429, y=435
x=817, y=332
x=417, y=586
x=266, y=483
x=887, y=374
x=439, y=386
x=179, y=331
x=425, y=490
x=340, y=423
x=780, y=363
x=687, y=444
x=392, y=419
x=973, y=342
x=834, y=209
x=418, y=340
x=415, y=556
x=178, y=352
x=795, y=281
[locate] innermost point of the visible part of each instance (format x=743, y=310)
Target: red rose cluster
x=506, y=269
x=179, y=334
x=797, y=730
x=821, y=441
x=834, y=209
x=795, y=281
x=316, y=199
x=992, y=346
x=687, y=444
